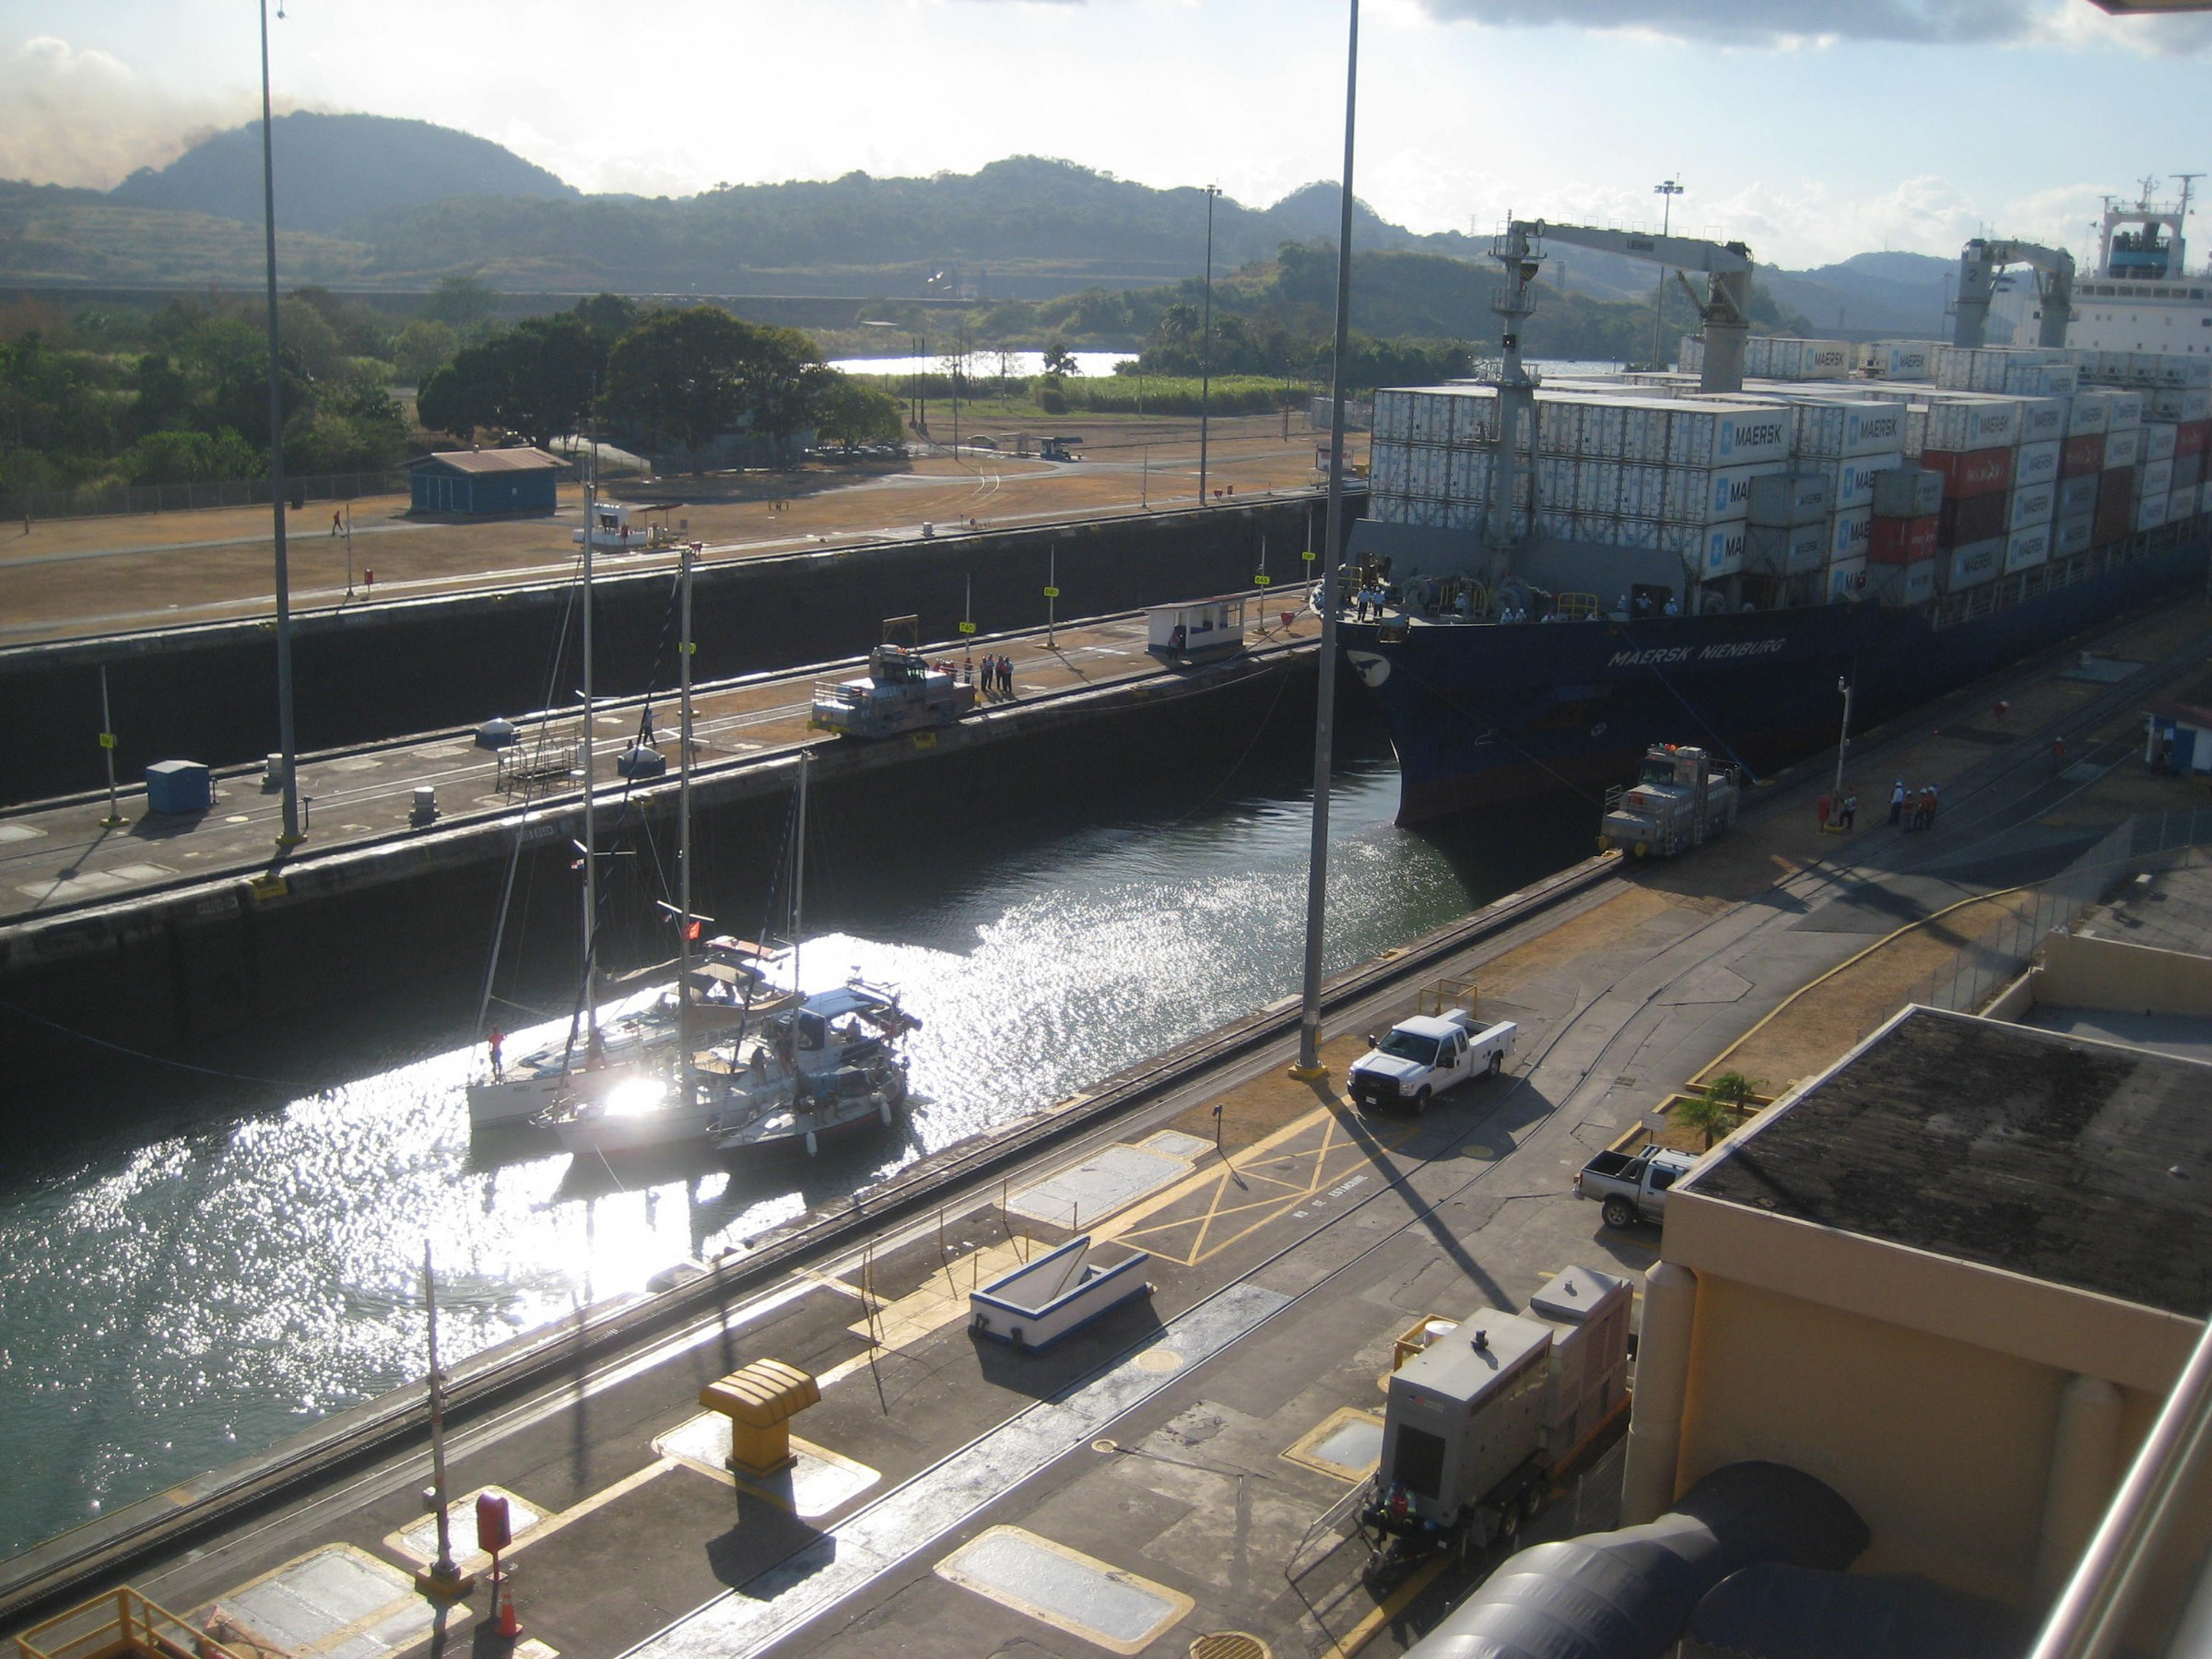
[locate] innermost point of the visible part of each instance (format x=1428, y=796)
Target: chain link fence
x=1978, y=970
x=179, y=498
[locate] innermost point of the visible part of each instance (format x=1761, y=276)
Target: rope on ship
x=1658, y=674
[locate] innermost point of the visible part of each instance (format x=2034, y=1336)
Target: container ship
x=1555, y=574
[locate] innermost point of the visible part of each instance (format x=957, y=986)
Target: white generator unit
x=1479, y=1420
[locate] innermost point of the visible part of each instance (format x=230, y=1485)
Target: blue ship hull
x=1481, y=712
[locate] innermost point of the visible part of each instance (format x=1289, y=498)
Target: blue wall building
x=485, y=481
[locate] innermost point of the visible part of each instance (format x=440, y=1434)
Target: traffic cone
x=508, y=1626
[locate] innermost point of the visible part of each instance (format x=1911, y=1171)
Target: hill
x=335, y=170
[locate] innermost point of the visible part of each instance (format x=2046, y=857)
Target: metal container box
x=1897, y=360
x=1854, y=478
x=2156, y=478
x=179, y=787
x=1907, y=492
x=2025, y=550
x=2077, y=496
x=1902, y=585
x=1894, y=541
x=2157, y=440
x=2042, y=420
x=1961, y=425
x=2037, y=462
x=2035, y=504
x=2122, y=448
x=1848, y=534
x=1847, y=581
x=1786, y=500
x=1973, y=519
x=1971, y=473
x=1713, y=435
x=2072, y=536
x=1974, y=564
x=2091, y=413
x=1790, y=550
x=2150, y=511
x=1723, y=552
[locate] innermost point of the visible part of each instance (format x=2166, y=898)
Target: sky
x=1810, y=129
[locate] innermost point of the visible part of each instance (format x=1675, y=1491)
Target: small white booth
x=1196, y=632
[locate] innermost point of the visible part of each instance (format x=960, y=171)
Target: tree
x=1717, y=1110
x=851, y=414
x=462, y=302
x=534, y=378
x=677, y=374
x=784, y=381
x=1059, y=359
x=190, y=458
x=421, y=349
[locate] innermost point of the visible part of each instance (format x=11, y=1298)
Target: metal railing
x=182, y=498
x=121, y=1622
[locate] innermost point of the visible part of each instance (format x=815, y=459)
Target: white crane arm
x=1683, y=253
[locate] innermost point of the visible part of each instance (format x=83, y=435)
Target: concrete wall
x=407, y=926
x=372, y=671
x=2135, y=979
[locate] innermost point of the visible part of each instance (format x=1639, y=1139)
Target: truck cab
x=902, y=692
x=1421, y=1057
x=1632, y=1186
x=1680, y=799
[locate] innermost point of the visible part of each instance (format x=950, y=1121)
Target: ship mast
x=1518, y=251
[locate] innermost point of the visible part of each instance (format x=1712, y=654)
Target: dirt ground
x=73, y=577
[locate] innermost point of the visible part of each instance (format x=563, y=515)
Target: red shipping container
x=2083, y=454
x=2189, y=438
x=1903, y=541
x=1970, y=472
x=2115, y=507
x=1970, y=519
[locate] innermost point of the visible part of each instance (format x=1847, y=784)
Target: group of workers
x=1913, y=810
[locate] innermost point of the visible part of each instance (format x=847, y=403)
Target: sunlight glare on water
x=203, y=1279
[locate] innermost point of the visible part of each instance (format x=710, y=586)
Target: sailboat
x=804, y=1071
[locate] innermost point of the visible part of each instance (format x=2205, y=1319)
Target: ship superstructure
x=1585, y=566
x=2143, y=297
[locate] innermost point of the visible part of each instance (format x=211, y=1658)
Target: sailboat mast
x=798, y=872
x=590, y=854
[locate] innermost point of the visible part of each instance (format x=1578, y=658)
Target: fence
x=180, y=498
x=1979, y=970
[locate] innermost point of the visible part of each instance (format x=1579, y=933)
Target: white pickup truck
x=1424, y=1056
x=1632, y=1185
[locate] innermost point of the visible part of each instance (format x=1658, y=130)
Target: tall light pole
x=1206, y=344
x=1309, y=1064
x=289, y=835
x=1667, y=189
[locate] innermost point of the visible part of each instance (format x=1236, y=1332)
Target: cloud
x=87, y=119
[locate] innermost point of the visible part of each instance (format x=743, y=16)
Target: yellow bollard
x=760, y=1400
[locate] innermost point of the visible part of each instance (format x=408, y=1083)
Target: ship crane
x=1725, y=312
x=1979, y=263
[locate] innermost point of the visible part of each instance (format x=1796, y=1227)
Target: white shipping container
x=1824, y=360
x=1723, y=551
x=1642, y=491
x=1431, y=418
x=2150, y=511
x=1429, y=471
x=2042, y=420
x=2077, y=496
x=1467, y=475
x=2091, y=413
x=1390, y=416
x=2071, y=535
x=2122, y=448
x=1846, y=580
x=1827, y=430
x=1559, y=426
x=2157, y=440
x=2170, y=404
x=1903, y=585
x=1684, y=541
x=1957, y=424
x=1916, y=432
x=2126, y=411
x=2037, y=462
x=1974, y=564
x=1855, y=478
x=1899, y=360
x=1597, y=486
x=2034, y=505
x=1690, y=359
x=1427, y=513
x=1848, y=533
x=1555, y=483
x=2156, y=478
x=1718, y=435
x=1475, y=419
x=1601, y=431
x=2024, y=549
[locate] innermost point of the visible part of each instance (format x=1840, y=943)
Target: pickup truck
x=1426, y=1055
x=1632, y=1184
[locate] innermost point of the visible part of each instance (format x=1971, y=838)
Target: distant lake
x=983, y=364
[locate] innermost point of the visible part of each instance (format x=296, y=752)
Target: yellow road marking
x=1395, y=1603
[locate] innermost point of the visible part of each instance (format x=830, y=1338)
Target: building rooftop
x=490, y=460
x=2067, y=1160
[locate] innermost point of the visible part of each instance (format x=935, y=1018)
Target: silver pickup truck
x=1632, y=1185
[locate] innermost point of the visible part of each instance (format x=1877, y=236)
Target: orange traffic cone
x=508, y=1626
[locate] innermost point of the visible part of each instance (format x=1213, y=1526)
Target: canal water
x=194, y=1264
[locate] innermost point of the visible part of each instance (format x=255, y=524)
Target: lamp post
x=1668, y=190
x=1308, y=1065
x=290, y=836
x=1206, y=344
x=1842, y=738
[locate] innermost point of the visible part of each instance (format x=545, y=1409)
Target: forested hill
x=334, y=171
x=366, y=201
